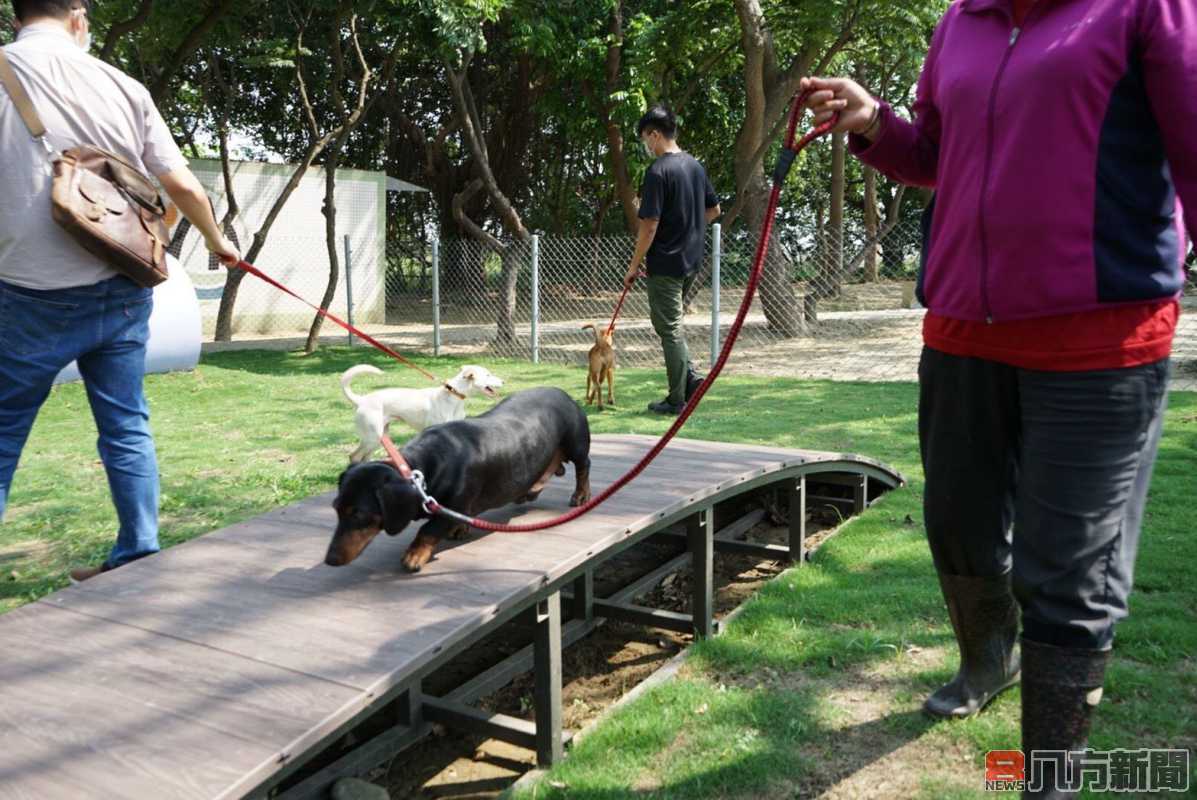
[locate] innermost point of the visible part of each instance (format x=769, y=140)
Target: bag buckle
x=51, y=150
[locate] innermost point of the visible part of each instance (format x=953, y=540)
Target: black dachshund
x=506, y=455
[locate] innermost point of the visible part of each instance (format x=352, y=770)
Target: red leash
x=627, y=287
x=788, y=154
x=252, y=270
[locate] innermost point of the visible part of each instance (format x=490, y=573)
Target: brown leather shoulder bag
x=102, y=201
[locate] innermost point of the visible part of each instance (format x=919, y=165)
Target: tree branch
x=473, y=228
x=466, y=113
x=190, y=44
x=696, y=82
x=304, y=99
x=124, y=28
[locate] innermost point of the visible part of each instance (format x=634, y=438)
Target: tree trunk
x=768, y=89
x=629, y=202
x=330, y=238
x=319, y=141
x=872, y=225
x=628, y=199
x=779, y=302
x=232, y=209
x=471, y=127
x=505, y=341
x=461, y=273
x=232, y=284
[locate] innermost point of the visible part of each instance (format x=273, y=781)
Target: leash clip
x=428, y=502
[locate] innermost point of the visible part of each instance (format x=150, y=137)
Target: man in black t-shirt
x=677, y=202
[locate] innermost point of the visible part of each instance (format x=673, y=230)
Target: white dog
x=419, y=408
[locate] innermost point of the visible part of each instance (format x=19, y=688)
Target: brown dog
x=602, y=366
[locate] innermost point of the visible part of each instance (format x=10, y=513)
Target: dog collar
x=454, y=392
x=416, y=477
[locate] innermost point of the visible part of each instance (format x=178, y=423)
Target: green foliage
x=6, y=24
x=458, y=24
x=539, y=73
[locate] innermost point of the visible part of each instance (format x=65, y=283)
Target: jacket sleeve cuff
x=865, y=150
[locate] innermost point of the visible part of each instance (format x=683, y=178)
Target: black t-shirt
x=678, y=192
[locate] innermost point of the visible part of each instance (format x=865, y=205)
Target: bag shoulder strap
x=20, y=98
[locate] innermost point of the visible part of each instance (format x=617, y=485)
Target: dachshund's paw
x=579, y=499
x=416, y=557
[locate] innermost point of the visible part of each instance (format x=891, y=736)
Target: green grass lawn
x=816, y=686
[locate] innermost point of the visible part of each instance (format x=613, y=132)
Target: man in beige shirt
x=59, y=303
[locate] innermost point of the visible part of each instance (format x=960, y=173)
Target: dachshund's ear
x=470, y=374
x=399, y=501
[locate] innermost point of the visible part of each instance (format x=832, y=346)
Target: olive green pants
x=666, y=306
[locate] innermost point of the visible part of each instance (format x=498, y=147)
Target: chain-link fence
x=845, y=312
x=827, y=310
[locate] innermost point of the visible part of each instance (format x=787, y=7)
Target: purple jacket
x=1061, y=154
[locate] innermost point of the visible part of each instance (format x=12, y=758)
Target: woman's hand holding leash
x=859, y=111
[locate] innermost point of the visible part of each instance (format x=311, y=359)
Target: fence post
x=349, y=283
x=535, y=298
x=436, y=297
x=716, y=260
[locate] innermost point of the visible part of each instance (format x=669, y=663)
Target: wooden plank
x=377, y=624
x=410, y=707
x=358, y=762
x=797, y=498
x=700, y=531
x=730, y=532
x=642, y=615
x=102, y=710
x=817, y=499
x=257, y=592
x=582, y=602
x=474, y=720
x=516, y=664
x=775, y=552
x=777, y=457
x=546, y=643
x=650, y=580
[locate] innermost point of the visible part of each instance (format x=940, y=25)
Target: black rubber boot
x=693, y=381
x=665, y=407
x=1060, y=688
x=984, y=616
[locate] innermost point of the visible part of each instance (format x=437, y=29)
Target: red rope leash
x=789, y=152
x=627, y=287
x=252, y=270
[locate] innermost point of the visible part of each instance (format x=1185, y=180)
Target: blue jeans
x=104, y=327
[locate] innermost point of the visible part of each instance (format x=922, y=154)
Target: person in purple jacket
x=1060, y=137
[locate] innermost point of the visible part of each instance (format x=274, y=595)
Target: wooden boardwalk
x=217, y=667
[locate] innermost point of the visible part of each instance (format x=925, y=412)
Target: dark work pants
x=1045, y=473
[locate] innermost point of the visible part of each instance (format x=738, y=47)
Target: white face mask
x=84, y=42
